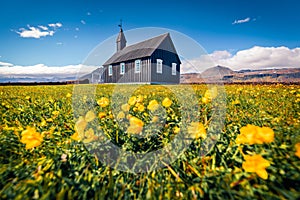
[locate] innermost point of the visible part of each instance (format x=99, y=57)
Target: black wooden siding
x=166, y=76
x=148, y=72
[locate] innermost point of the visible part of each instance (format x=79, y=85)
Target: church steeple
x=121, y=41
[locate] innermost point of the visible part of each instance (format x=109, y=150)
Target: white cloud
x=83, y=22
x=43, y=71
x=56, y=25
x=38, y=32
x=77, y=29
x=4, y=64
x=34, y=33
x=254, y=58
x=241, y=21
x=45, y=28
x=88, y=13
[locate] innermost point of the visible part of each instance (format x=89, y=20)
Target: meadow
x=231, y=142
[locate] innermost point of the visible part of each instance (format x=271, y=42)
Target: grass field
x=50, y=136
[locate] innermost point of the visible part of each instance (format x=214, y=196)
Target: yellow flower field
x=54, y=142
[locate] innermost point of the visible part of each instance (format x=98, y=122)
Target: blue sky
x=66, y=31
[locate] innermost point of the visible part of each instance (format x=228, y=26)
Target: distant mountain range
x=226, y=75
x=212, y=75
x=34, y=79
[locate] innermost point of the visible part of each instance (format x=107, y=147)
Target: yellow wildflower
x=103, y=102
x=55, y=113
x=236, y=102
x=90, y=116
x=257, y=164
x=121, y=115
x=80, y=125
x=101, y=115
x=155, y=119
x=43, y=122
x=167, y=102
x=125, y=107
x=31, y=138
x=140, y=107
x=210, y=94
x=297, y=146
x=153, y=105
x=90, y=136
x=176, y=129
x=197, y=130
x=139, y=98
x=251, y=134
x=136, y=125
x=49, y=120
x=75, y=136
x=68, y=95
x=265, y=134
x=132, y=100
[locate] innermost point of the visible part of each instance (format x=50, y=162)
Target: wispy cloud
x=45, y=28
x=56, y=25
x=241, y=21
x=34, y=33
x=83, y=22
x=38, y=32
x=256, y=57
x=5, y=64
x=43, y=71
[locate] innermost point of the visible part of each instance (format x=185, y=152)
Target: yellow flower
x=251, y=134
x=132, y=100
x=197, y=130
x=136, y=125
x=155, y=119
x=205, y=100
x=246, y=135
x=89, y=136
x=139, y=99
x=257, y=164
x=140, y=107
x=176, y=129
x=265, y=134
x=101, y=115
x=80, y=125
x=121, y=115
x=75, y=136
x=90, y=116
x=153, y=105
x=167, y=102
x=125, y=107
x=103, y=102
x=55, y=113
x=43, y=122
x=236, y=102
x=297, y=146
x=210, y=94
x=31, y=138
x=68, y=95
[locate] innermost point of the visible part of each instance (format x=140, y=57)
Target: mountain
x=222, y=74
x=35, y=79
x=217, y=72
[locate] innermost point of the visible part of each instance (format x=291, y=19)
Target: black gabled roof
x=141, y=50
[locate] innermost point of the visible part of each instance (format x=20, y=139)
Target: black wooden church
x=152, y=61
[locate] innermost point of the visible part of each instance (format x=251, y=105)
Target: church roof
x=142, y=49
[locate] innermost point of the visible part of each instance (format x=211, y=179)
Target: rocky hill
x=226, y=75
